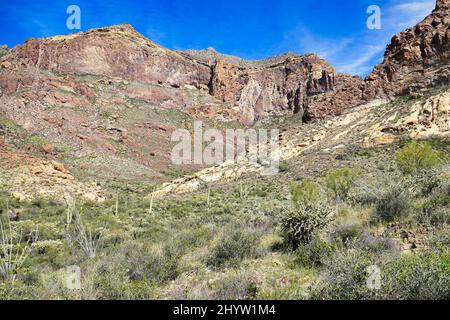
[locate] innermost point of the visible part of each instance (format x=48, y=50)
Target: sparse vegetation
x=302, y=234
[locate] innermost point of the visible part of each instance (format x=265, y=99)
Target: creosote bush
x=416, y=156
x=300, y=223
x=340, y=181
x=306, y=192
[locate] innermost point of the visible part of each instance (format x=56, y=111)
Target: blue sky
x=250, y=29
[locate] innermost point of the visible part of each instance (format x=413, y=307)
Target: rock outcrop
x=276, y=86
x=416, y=58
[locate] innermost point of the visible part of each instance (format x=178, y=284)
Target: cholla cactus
x=12, y=252
x=300, y=223
x=71, y=207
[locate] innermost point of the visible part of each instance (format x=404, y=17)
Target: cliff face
x=272, y=87
x=417, y=58
x=253, y=89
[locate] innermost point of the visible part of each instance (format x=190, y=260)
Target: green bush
x=305, y=192
x=435, y=210
x=313, y=254
x=418, y=277
x=411, y=276
x=299, y=224
x=416, y=156
x=234, y=246
x=340, y=181
x=345, y=277
x=392, y=204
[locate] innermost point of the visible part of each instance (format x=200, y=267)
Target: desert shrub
x=419, y=277
x=87, y=239
x=422, y=276
x=346, y=232
x=433, y=215
x=313, y=254
x=416, y=156
x=152, y=265
x=234, y=246
x=241, y=285
x=161, y=267
x=300, y=223
x=426, y=181
x=392, y=204
x=345, y=277
x=305, y=192
x=283, y=166
x=376, y=245
x=435, y=210
x=340, y=181
x=439, y=242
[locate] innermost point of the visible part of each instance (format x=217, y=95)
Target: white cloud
x=363, y=63
x=307, y=42
x=360, y=51
x=407, y=14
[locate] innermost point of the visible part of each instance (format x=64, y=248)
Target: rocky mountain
x=109, y=98
x=289, y=83
x=252, y=89
x=416, y=58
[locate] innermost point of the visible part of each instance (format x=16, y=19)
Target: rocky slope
x=370, y=125
x=245, y=90
x=416, y=58
x=106, y=101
